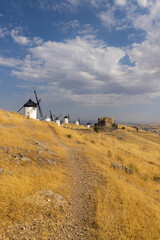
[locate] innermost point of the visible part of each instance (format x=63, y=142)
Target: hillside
x=69, y=182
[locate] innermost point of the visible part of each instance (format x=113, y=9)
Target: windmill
x=66, y=119
x=77, y=122
x=48, y=118
x=88, y=125
x=57, y=119
x=30, y=108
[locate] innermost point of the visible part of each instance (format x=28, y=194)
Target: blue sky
x=89, y=58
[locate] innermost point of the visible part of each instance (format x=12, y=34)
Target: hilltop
x=70, y=182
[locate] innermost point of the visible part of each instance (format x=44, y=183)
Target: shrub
x=69, y=135
x=115, y=125
x=96, y=129
x=123, y=127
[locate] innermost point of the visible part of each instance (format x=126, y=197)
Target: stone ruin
x=105, y=121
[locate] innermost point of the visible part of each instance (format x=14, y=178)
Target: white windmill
x=77, y=122
x=88, y=125
x=66, y=119
x=57, y=119
x=30, y=108
x=48, y=118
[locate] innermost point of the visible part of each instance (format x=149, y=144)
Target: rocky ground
x=77, y=215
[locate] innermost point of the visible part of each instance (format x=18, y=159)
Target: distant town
x=152, y=127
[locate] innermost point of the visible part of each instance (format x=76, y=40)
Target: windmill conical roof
x=30, y=103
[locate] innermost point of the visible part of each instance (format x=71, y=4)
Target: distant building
x=105, y=121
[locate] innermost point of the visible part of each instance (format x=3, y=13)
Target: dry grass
x=128, y=206
x=21, y=179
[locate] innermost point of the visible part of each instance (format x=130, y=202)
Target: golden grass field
x=127, y=205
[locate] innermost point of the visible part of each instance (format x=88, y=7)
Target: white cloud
x=145, y=3
x=37, y=40
x=108, y=18
x=73, y=2
x=9, y=62
x=121, y=2
x=1, y=15
x=22, y=40
x=88, y=71
x=3, y=32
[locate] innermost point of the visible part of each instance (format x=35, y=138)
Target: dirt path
x=79, y=217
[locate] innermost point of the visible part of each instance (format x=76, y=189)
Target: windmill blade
x=20, y=109
x=68, y=115
x=36, y=97
x=40, y=111
x=54, y=115
x=60, y=115
x=44, y=118
x=38, y=101
x=79, y=120
x=51, y=116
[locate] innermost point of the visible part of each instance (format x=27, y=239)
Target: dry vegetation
x=127, y=205
x=23, y=178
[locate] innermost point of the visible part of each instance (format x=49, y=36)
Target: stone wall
x=105, y=121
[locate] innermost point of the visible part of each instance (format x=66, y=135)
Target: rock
x=50, y=161
x=8, y=150
x=1, y=170
x=51, y=194
x=51, y=152
x=21, y=155
x=2, y=147
x=40, y=151
x=16, y=156
x=121, y=167
x=25, y=159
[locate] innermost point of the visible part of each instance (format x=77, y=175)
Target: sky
x=88, y=58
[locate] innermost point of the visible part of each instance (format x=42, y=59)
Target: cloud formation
x=22, y=40
x=87, y=70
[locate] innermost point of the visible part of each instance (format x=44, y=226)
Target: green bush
x=96, y=129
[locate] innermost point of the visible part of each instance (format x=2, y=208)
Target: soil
x=78, y=218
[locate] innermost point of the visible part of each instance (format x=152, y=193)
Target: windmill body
x=30, y=109
x=77, y=122
x=88, y=125
x=66, y=119
x=47, y=119
x=58, y=121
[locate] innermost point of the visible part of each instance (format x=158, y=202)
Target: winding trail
x=79, y=217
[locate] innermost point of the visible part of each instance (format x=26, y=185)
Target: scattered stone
x=50, y=161
x=16, y=156
x=1, y=170
x=8, y=150
x=25, y=159
x=50, y=193
x=21, y=155
x=51, y=152
x=40, y=151
x=2, y=147
x=17, y=162
x=121, y=167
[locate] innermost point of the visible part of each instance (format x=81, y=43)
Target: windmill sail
x=38, y=104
